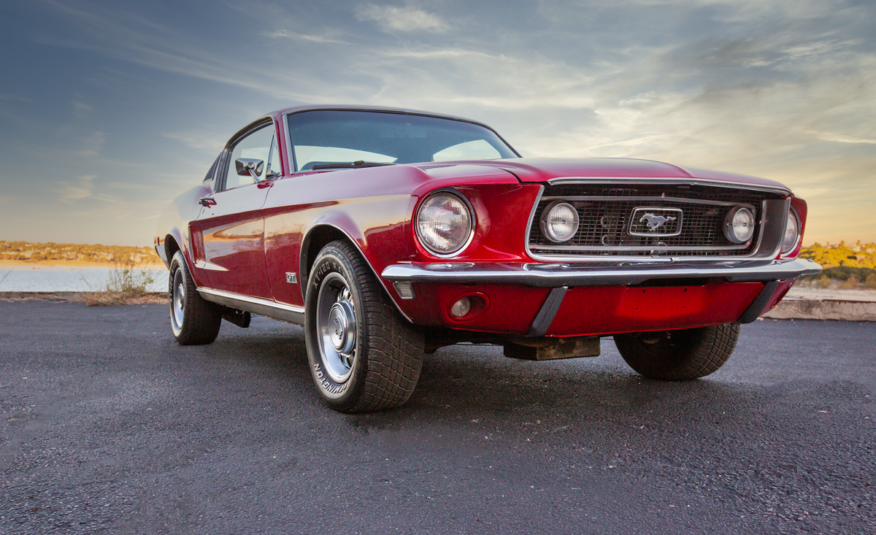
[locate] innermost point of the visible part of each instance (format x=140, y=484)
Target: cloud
x=405, y=19
x=840, y=138
x=781, y=89
x=207, y=141
x=81, y=188
x=5, y=96
x=81, y=110
x=286, y=34
x=90, y=145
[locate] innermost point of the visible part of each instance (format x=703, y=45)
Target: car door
x=230, y=230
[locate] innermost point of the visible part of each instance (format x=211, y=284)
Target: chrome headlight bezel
x=792, y=216
x=545, y=228
x=728, y=225
x=472, y=224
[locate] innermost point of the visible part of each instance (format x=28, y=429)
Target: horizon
x=115, y=111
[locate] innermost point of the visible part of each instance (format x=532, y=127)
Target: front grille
x=607, y=228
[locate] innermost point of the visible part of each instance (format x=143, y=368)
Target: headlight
x=739, y=224
x=792, y=232
x=559, y=222
x=445, y=223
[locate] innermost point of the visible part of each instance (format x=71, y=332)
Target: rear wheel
x=192, y=320
x=678, y=355
x=364, y=356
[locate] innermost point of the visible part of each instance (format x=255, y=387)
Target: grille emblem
x=655, y=221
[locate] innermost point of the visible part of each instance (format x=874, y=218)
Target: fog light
x=739, y=224
x=559, y=222
x=461, y=307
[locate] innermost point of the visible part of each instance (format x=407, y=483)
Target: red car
x=389, y=233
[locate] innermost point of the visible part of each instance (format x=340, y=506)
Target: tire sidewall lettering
x=326, y=264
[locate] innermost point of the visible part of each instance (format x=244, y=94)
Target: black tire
x=199, y=320
x=385, y=363
x=680, y=355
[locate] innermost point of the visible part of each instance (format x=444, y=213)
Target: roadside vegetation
x=22, y=251
x=127, y=283
x=846, y=267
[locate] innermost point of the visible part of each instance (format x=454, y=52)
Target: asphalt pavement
x=106, y=425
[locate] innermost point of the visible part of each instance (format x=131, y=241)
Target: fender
x=174, y=223
x=291, y=231
x=329, y=222
x=335, y=220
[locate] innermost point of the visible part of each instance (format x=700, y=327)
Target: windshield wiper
x=349, y=165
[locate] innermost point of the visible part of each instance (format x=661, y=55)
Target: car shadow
x=477, y=383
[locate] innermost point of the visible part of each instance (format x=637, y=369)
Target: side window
x=257, y=146
x=272, y=167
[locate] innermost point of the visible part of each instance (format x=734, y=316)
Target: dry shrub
x=126, y=284
x=851, y=283
x=871, y=281
x=824, y=282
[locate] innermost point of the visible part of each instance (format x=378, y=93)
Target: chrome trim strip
x=290, y=153
x=203, y=264
x=618, y=274
x=643, y=248
x=530, y=220
x=657, y=181
x=573, y=198
x=255, y=305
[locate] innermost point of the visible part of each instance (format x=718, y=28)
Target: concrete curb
x=58, y=296
x=806, y=309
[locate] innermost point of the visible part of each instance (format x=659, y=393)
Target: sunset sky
x=110, y=109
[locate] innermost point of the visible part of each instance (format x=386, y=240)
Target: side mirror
x=249, y=167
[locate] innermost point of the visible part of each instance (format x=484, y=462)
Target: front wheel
x=364, y=356
x=680, y=355
x=192, y=320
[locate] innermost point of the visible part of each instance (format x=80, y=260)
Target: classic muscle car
x=389, y=233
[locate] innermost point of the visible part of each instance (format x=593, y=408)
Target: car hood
x=544, y=169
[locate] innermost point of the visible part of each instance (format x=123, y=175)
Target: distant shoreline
x=76, y=264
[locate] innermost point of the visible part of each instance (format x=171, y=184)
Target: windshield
x=324, y=137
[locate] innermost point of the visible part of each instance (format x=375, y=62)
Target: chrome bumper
x=599, y=274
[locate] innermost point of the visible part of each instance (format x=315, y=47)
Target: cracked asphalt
x=109, y=427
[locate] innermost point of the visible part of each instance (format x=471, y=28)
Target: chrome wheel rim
x=178, y=301
x=336, y=327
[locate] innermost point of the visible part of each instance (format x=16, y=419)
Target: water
x=61, y=279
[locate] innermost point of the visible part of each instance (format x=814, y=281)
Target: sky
x=108, y=110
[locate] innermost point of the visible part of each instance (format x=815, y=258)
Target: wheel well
x=318, y=238
x=170, y=248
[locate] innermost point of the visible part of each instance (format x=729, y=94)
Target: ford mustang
x=390, y=233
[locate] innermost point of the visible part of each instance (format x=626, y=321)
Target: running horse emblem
x=655, y=221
